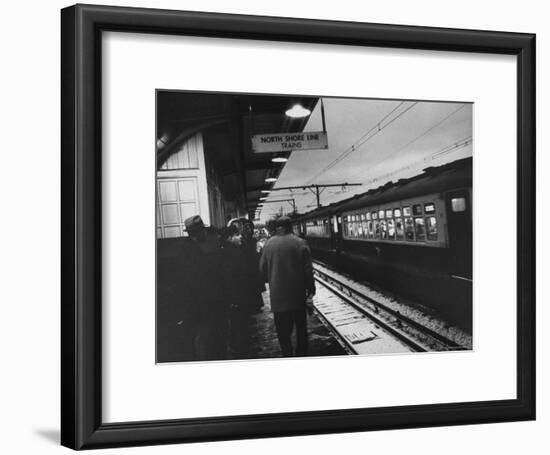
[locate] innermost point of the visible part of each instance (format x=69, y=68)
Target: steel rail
x=407, y=340
x=402, y=318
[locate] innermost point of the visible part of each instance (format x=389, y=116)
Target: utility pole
x=292, y=202
x=316, y=189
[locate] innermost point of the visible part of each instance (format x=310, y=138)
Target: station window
x=397, y=213
x=406, y=211
x=362, y=216
x=458, y=204
x=383, y=230
x=389, y=213
x=431, y=227
x=420, y=229
x=429, y=208
x=368, y=215
x=391, y=229
x=369, y=229
x=381, y=214
x=409, y=229
x=374, y=215
x=417, y=209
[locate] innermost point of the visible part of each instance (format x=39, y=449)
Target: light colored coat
x=286, y=266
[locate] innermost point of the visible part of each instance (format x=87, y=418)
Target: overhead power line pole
x=292, y=202
x=316, y=189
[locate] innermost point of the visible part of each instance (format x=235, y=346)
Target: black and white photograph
x=296, y=226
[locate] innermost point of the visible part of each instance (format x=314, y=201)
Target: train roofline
x=376, y=195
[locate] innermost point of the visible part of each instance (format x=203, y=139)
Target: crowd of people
x=212, y=285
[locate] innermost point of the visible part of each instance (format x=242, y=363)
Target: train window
x=374, y=215
x=381, y=214
x=397, y=213
x=420, y=229
x=376, y=229
x=339, y=219
x=383, y=230
x=417, y=209
x=458, y=204
x=431, y=225
x=391, y=229
x=389, y=213
x=429, y=208
x=368, y=215
x=406, y=211
x=409, y=229
x=399, y=229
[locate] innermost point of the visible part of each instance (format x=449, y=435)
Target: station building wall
x=182, y=189
x=188, y=184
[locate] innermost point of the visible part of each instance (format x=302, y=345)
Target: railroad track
x=364, y=325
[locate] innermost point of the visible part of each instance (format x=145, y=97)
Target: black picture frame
x=81, y=201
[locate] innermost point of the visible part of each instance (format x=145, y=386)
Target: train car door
x=336, y=231
x=459, y=225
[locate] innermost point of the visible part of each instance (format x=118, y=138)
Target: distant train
x=413, y=237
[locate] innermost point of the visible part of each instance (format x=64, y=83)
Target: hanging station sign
x=287, y=142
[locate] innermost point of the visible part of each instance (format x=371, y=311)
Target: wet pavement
x=264, y=344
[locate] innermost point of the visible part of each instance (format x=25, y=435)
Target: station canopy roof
x=227, y=122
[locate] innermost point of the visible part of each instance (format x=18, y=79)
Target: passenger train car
x=413, y=237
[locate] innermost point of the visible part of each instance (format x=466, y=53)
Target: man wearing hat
x=286, y=265
x=194, y=227
x=199, y=291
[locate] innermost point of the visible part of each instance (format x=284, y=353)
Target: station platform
x=264, y=344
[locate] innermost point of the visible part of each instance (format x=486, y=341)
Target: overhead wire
x=373, y=131
x=430, y=129
x=457, y=145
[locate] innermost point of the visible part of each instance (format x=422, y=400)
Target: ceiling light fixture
x=297, y=111
x=279, y=159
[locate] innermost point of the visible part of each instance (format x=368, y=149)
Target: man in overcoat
x=197, y=293
x=286, y=265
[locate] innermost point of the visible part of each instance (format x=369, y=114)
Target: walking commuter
x=198, y=291
x=286, y=265
x=255, y=284
x=238, y=291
